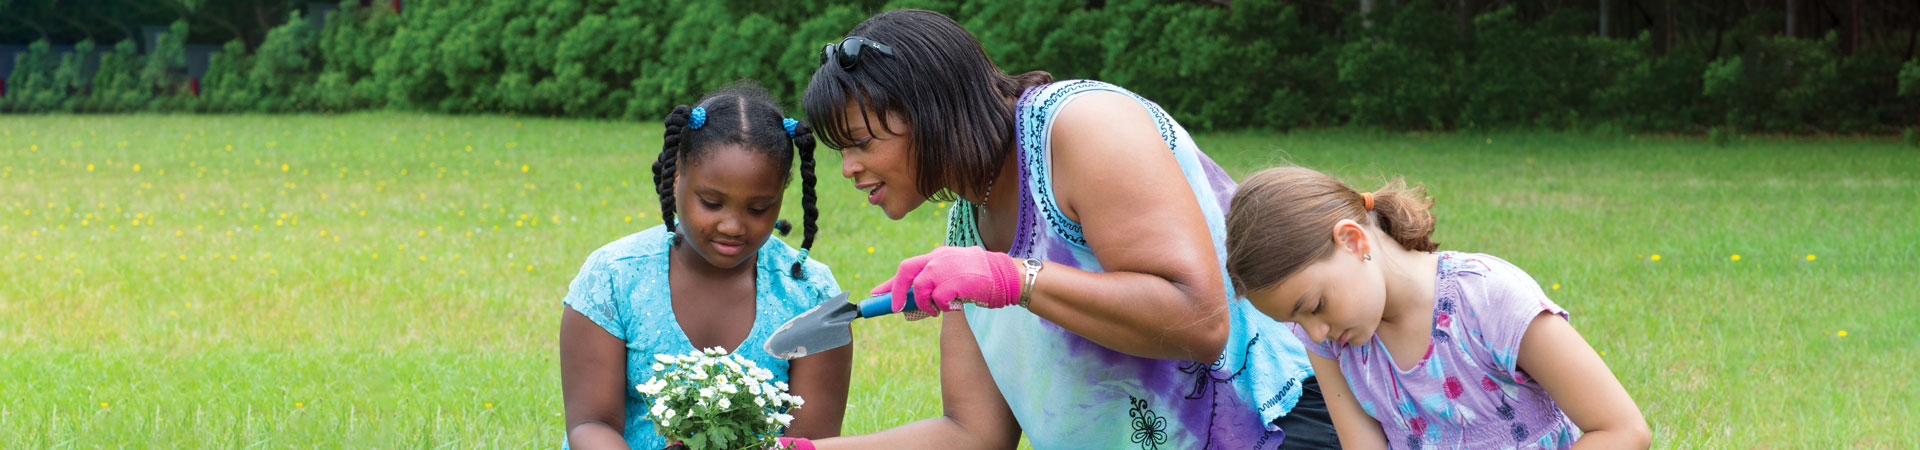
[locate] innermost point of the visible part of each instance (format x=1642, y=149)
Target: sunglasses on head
x=849, y=50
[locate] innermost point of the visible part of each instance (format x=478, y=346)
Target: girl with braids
x=1417, y=348
x=712, y=276
x=1085, y=242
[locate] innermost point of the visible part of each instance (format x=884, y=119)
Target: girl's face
x=727, y=204
x=880, y=163
x=1340, y=298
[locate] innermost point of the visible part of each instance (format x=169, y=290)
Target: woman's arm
x=593, y=383
x=821, y=380
x=977, y=417
x=1555, y=356
x=1355, y=427
x=1162, y=294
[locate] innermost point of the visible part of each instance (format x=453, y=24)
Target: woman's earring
x=1368, y=256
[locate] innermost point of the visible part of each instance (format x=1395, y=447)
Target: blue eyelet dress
x=1068, y=392
x=623, y=287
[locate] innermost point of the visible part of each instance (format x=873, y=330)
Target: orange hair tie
x=1367, y=198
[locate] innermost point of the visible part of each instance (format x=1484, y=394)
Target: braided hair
x=741, y=114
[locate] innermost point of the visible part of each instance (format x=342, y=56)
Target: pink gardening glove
x=988, y=279
x=787, y=443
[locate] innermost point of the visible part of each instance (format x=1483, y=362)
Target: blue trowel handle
x=882, y=305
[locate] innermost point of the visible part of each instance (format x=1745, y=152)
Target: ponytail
x=802, y=136
x=664, y=168
x=1406, y=214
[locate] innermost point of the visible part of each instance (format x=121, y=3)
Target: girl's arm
x=1555, y=356
x=593, y=383
x=1162, y=294
x=977, y=417
x=1355, y=427
x=821, y=380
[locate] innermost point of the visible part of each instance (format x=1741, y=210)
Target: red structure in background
x=194, y=84
x=396, y=5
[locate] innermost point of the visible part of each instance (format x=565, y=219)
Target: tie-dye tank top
x=1069, y=392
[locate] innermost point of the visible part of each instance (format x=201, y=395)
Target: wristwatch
x=1030, y=270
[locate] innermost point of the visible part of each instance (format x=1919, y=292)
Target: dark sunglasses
x=849, y=50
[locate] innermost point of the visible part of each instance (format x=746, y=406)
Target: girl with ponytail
x=1418, y=348
x=712, y=275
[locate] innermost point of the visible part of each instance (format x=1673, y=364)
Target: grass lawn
x=389, y=280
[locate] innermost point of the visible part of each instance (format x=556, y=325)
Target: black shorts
x=1309, y=425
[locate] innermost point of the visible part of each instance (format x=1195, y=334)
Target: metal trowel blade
x=825, y=327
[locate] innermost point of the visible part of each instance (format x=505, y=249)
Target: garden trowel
x=828, y=326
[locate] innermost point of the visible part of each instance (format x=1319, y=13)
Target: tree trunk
x=1852, y=43
x=1463, y=17
x=1606, y=17
x=1666, y=28
x=1366, y=14
x=1793, y=18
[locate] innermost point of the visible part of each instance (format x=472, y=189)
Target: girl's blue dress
x=623, y=288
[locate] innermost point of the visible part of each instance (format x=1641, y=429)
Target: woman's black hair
x=954, y=99
x=740, y=114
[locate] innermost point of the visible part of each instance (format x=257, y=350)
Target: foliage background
x=1657, y=65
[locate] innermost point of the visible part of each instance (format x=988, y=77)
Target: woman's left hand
x=969, y=274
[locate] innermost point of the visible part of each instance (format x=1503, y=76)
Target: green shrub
x=32, y=77
x=164, y=76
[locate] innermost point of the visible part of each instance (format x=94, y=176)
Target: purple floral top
x=1468, y=391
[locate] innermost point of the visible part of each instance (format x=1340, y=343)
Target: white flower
x=668, y=414
x=697, y=375
x=760, y=402
x=659, y=409
x=725, y=403
x=706, y=392
x=797, y=401
x=727, y=388
x=659, y=368
x=761, y=374
x=782, y=385
x=669, y=359
x=783, y=419
x=753, y=389
x=652, y=387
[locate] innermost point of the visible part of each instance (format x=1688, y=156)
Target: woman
x=1096, y=315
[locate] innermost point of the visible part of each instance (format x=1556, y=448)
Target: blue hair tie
x=803, y=252
x=699, y=118
x=790, y=124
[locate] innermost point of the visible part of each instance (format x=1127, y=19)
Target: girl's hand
x=787, y=443
x=946, y=274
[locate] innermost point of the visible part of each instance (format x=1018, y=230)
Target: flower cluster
x=710, y=399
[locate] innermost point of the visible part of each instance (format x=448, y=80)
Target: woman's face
x=1339, y=298
x=727, y=204
x=879, y=162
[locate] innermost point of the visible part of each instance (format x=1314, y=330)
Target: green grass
x=281, y=328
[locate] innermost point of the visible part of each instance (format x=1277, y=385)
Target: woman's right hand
x=946, y=274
